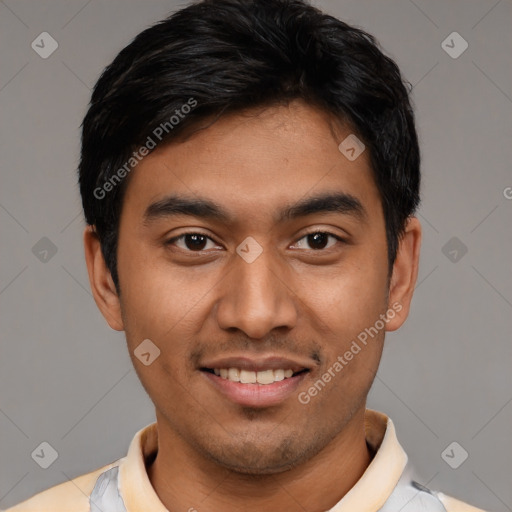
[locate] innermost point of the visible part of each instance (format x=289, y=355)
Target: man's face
x=297, y=306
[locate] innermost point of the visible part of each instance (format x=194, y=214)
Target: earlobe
x=405, y=274
x=102, y=285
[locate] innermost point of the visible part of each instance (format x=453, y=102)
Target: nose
x=256, y=297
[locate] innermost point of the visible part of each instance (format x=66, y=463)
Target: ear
x=404, y=275
x=102, y=285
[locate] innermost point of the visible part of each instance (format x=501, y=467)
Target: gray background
x=66, y=378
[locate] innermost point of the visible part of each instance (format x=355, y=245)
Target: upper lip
x=257, y=364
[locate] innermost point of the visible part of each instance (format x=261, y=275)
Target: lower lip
x=256, y=395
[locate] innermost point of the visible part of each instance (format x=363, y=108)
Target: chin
x=252, y=459
x=263, y=468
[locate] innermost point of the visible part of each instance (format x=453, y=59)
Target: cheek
x=349, y=296
x=346, y=308
x=164, y=303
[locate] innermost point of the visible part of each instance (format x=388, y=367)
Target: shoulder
x=70, y=496
x=454, y=505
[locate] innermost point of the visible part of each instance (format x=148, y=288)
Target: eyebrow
x=174, y=205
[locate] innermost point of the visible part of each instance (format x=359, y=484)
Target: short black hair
x=222, y=56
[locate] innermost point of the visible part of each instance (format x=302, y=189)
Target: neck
x=185, y=481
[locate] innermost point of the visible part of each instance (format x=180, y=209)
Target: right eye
x=191, y=242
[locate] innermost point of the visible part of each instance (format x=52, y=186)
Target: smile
x=249, y=388
x=264, y=377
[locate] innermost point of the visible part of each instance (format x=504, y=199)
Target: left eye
x=319, y=240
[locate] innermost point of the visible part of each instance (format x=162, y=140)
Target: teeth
x=247, y=377
x=250, y=377
x=234, y=374
x=265, y=377
x=278, y=375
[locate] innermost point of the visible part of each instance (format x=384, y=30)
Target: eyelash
x=171, y=241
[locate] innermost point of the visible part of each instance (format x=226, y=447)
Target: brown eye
x=192, y=242
x=195, y=242
x=318, y=240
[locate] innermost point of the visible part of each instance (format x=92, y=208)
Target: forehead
x=253, y=162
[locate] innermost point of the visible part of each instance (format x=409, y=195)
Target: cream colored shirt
x=387, y=485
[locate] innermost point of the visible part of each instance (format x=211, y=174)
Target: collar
x=378, y=482
x=369, y=493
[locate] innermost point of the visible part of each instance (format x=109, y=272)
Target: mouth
x=262, y=377
x=255, y=383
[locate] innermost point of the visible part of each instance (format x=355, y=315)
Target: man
x=249, y=177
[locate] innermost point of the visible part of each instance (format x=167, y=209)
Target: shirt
x=387, y=485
